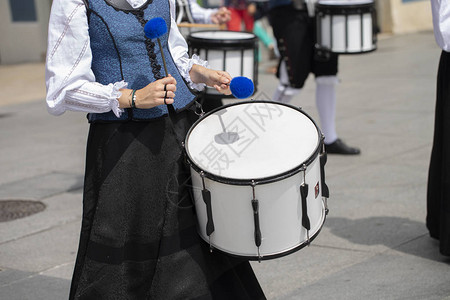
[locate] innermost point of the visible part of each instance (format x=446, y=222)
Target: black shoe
x=339, y=147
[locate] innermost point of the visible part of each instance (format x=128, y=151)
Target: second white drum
x=346, y=26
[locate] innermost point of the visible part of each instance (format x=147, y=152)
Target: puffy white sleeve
x=179, y=50
x=441, y=23
x=69, y=78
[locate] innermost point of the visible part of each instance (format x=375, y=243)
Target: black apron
x=138, y=237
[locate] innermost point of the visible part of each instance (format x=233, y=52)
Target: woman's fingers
x=225, y=78
x=167, y=80
x=166, y=94
x=222, y=80
x=162, y=101
x=223, y=89
x=169, y=87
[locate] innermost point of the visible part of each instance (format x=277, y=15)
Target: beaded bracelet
x=133, y=99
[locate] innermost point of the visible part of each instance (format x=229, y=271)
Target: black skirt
x=138, y=237
x=438, y=194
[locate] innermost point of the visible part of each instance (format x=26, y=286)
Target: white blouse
x=201, y=14
x=441, y=23
x=69, y=78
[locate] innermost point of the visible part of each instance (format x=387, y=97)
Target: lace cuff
x=116, y=93
x=93, y=97
x=195, y=60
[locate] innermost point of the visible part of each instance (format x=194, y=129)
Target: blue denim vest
x=121, y=51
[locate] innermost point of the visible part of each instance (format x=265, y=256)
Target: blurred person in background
x=242, y=12
x=293, y=26
x=438, y=193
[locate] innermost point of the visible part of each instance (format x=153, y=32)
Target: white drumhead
x=252, y=140
x=223, y=35
x=344, y=2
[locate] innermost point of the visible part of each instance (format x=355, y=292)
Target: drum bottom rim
x=274, y=255
x=353, y=53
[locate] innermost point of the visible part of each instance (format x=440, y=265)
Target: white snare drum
x=258, y=179
x=346, y=26
x=231, y=51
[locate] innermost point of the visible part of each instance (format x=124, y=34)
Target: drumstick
x=196, y=25
x=153, y=29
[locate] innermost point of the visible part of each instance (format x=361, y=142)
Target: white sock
x=326, y=106
x=284, y=93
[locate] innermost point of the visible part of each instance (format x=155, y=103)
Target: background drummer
x=242, y=12
x=293, y=26
x=203, y=15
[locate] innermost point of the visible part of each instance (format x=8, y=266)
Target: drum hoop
x=253, y=181
x=225, y=44
x=277, y=255
x=345, y=9
x=356, y=52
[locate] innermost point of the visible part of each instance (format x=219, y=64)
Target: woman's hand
x=222, y=16
x=159, y=92
x=220, y=80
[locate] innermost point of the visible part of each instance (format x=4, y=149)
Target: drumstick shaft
x=195, y=25
x=221, y=123
x=163, y=58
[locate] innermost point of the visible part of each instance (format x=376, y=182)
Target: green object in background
x=264, y=37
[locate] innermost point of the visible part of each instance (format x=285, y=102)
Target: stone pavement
x=374, y=244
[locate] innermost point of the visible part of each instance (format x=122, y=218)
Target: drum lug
x=325, y=203
x=323, y=161
x=255, y=206
x=304, y=194
x=206, y=195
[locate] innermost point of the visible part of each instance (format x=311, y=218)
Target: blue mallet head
x=155, y=28
x=242, y=87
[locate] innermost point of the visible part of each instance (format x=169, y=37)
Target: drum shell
x=280, y=214
x=346, y=29
x=236, y=56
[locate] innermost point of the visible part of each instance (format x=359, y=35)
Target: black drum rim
x=236, y=44
x=338, y=9
x=352, y=52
